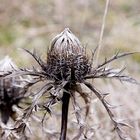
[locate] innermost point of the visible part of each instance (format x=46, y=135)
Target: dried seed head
x=11, y=90
x=66, y=43
x=67, y=58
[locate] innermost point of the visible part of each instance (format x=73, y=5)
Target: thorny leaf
x=85, y=97
x=110, y=113
x=78, y=116
x=93, y=55
x=38, y=59
x=112, y=74
x=115, y=57
x=35, y=100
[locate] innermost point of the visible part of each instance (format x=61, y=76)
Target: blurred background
x=32, y=24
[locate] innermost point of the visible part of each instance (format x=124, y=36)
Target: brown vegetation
x=30, y=24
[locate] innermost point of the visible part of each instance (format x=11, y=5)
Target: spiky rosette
x=67, y=58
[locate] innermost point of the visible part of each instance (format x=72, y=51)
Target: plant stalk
x=64, y=119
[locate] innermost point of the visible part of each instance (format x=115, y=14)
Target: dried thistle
x=12, y=90
x=66, y=69
x=66, y=59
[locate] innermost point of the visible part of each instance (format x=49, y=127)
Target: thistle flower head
x=67, y=58
x=66, y=43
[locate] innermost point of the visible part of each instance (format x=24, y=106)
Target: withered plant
x=12, y=91
x=66, y=69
